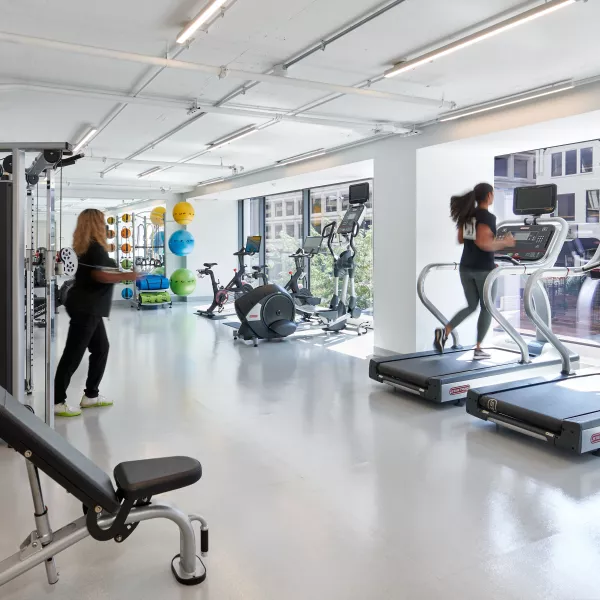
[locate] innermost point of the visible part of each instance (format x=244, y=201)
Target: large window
x=501, y=166
x=571, y=162
x=521, y=168
x=251, y=227
x=566, y=206
x=586, y=160
x=592, y=208
x=557, y=164
x=285, y=224
x=321, y=274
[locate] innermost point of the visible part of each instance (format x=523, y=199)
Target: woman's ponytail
x=462, y=208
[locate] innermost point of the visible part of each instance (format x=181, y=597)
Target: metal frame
x=50, y=300
x=556, y=244
x=43, y=544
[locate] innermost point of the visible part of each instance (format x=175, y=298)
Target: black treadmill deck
x=548, y=404
x=419, y=369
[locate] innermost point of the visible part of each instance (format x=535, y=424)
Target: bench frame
x=43, y=544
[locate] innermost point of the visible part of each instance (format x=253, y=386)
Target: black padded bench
x=108, y=513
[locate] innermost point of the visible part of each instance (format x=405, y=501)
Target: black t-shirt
x=88, y=295
x=473, y=257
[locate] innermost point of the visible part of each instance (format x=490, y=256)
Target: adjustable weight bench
x=108, y=514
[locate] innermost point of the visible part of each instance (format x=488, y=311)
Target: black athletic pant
x=86, y=332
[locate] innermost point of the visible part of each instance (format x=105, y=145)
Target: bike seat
x=259, y=268
x=210, y=265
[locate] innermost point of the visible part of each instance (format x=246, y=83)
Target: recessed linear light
x=300, y=157
x=202, y=17
x=479, y=36
x=149, y=172
x=215, y=180
x=85, y=140
x=507, y=101
x=232, y=138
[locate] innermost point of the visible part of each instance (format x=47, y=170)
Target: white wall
x=215, y=230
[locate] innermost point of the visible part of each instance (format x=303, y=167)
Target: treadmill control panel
x=532, y=241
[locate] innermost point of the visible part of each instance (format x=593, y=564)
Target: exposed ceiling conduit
x=211, y=70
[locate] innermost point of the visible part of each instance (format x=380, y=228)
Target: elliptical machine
x=302, y=258
x=237, y=286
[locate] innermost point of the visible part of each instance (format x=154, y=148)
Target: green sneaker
x=64, y=410
x=94, y=402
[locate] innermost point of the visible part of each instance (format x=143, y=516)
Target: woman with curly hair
x=88, y=302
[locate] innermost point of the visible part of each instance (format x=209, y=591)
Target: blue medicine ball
x=127, y=293
x=181, y=243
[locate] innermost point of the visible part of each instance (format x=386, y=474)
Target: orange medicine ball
x=125, y=232
x=126, y=248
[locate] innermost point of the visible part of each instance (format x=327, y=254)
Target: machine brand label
x=461, y=389
x=595, y=439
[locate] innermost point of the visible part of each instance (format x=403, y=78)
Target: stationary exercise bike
x=238, y=286
x=297, y=286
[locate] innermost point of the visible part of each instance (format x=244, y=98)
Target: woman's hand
x=509, y=241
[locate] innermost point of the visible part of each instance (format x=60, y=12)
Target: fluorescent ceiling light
x=215, y=180
x=85, y=140
x=149, y=172
x=553, y=89
x=232, y=138
x=479, y=36
x=209, y=11
x=300, y=157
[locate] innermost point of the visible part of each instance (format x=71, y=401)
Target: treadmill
x=563, y=410
x=448, y=377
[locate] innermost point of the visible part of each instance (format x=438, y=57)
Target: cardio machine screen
x=535, y=200
x=359, y=193
x=253, y=244
x=312, y=244
x=532, y=241
x=351, y=218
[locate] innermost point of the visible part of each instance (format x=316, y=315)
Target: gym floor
x=318, y=483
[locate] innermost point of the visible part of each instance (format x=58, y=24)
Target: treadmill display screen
x=535, y=200
x=532, y=241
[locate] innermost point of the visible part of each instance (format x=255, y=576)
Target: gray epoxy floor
x=318, y=483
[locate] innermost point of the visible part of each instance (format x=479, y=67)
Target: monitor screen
x=312, y=244
x=535, y=200
x=359, y=193
x=253, y=244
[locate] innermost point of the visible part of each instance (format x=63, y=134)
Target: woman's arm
x=114, y=277
x=461, y=237
x=486, y=241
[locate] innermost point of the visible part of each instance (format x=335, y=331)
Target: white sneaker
x=64, y=410
x=94, y=402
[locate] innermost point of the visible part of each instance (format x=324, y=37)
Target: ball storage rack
x=150, y=252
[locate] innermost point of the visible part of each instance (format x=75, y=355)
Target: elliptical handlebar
x=329, y=233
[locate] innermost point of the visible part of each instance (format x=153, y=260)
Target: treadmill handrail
x=550, y=258
x=564, y=352
x=427, y=303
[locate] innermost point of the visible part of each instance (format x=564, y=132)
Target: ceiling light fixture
x=300, y=157
x=215, y=180
x=479, y=36
x=232, y=138
x=86, y=139
x=149, y=172
x=209, y=11
x=508, y=100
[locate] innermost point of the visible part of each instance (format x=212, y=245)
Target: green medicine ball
x=126, y=263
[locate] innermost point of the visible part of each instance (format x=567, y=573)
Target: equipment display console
x=532, y=241
x=312, y=244
x=253, y=243
x=352, y=216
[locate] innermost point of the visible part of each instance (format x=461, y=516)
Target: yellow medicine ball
x=110, y=220
x=126, y=218
x=183, y=213
x=157, y=216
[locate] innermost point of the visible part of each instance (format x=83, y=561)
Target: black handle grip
x=204, y=541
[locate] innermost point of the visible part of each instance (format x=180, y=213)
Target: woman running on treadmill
x=88, y=302
x=477, y=232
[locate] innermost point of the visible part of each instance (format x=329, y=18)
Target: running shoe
x=95, y=402
x=481, y=355
x=440, y=339
x=64, y=410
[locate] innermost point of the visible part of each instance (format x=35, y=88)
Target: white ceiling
x=256, y=35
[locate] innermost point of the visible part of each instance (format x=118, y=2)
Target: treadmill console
x=353, y=215
x=532, y=241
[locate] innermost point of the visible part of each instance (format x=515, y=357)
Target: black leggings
x=473, y=282
x=86, y=332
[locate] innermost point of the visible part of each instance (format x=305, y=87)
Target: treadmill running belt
x=419, y=371
x=547, y=405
